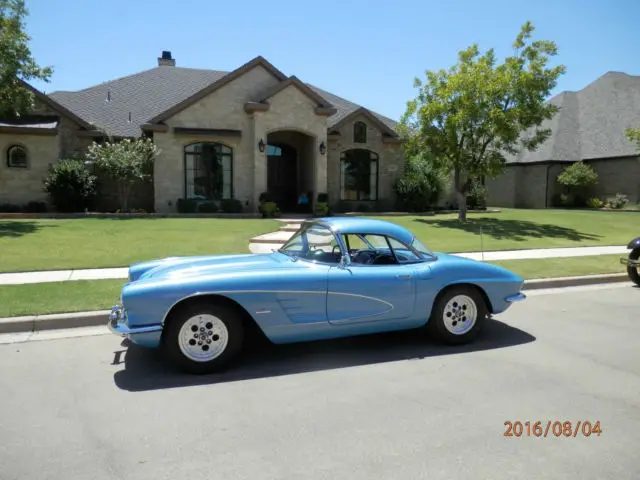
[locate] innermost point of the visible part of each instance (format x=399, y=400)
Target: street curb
x=35, y=323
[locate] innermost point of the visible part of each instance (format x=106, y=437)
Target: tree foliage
x=16, y=61
x=578, y=174
x=633, y=135
x=421, y=185
x=126, y=162
x=473, y=114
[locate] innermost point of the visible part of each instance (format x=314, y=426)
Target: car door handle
x=404, y=277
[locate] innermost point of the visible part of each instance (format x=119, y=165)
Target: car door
x=360, y=293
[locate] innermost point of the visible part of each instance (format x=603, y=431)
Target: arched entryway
x=290, y=169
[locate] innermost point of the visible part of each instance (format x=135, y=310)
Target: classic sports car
x=335, y=277
x=632, y=261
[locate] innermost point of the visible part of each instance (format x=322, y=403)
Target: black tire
x=437, y=324
x=227, y=326
x=634, y=276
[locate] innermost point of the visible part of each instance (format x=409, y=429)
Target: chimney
x=166, y=60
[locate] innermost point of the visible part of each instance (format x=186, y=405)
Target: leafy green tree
x=633, y=135
x=126, y=162
x=473, y=114
x=16, y=61
x=421, y=185
x=577, y=178
x=71, y=187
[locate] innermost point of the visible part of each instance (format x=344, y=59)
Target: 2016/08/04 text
x=552, y=428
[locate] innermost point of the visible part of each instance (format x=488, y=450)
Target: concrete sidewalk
x=122, y=273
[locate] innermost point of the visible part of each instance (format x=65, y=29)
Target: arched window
x=358, y=175
x=16, y=157
x=360, y=132
x=208, y=171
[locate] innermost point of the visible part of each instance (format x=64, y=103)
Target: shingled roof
x=121, y=106
x=591, y=122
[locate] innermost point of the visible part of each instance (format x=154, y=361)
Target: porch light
x=323, y=148
x=261, y=145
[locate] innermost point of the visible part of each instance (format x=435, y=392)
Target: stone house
x=221, y=135
x=590, y=126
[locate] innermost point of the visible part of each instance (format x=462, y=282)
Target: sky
x=368, y=52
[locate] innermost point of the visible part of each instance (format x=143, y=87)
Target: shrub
x=186, y=205
x=321, y=209
x=477, y=196
x=231, y=205
x=269, y=209
x=595, y=203
x=618, y=202
x=207, y=206
x=421, y=185
x=9, y=208
x=70, y=185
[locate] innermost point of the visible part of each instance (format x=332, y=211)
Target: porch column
x=259, y=159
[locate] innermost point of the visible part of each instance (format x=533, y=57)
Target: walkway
x=122, y=273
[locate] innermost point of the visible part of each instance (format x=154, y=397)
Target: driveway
x=391, y=406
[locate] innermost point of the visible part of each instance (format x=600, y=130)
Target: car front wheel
x=458, y=315
x=633, y=270
x=203, y=337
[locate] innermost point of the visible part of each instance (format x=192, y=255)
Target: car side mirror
x=343, y=261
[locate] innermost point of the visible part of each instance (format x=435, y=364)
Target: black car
x=632, y=262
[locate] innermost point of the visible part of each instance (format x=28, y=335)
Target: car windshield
x=316, y=243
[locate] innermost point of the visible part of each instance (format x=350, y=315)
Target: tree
x=16, y=61
x=473, y=114
x=577, y=178
x=127, y=162
x=633, y=135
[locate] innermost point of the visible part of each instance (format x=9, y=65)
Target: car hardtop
x=362, y=225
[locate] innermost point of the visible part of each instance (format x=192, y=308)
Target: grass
x=59, y=297
x=56, y=244
x=513, y=229
x=85, y=295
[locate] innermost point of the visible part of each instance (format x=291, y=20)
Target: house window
x=360, y=132
x=208, y=170
x=17, y=157
x=359, y=175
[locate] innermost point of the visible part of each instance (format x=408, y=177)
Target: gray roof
x=147, y=94
x=591, y=122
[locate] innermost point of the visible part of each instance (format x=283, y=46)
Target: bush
x=618, y=202
x=269, y=209
x=321, y=209
x=420, y=187
x=595, y=203
x=70, y=185
x=9, y=208
x=207, y=206
x=186, y=205
x=477, y=196
x=231, y=205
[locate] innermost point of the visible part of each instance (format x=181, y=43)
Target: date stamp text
x=583, y=428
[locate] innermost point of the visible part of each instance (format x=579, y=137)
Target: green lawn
x=88, y=295
x=27, y=245
x=523, y=229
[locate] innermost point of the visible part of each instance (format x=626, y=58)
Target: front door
x=370, y=293
x=282, y=176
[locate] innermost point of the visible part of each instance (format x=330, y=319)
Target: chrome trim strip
x=312, y=292
x=122, y=329
x=518, y=297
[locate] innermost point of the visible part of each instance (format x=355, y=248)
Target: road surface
x=384, y=407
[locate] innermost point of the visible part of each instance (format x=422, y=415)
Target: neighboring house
x=590, y=126
x=221, y=135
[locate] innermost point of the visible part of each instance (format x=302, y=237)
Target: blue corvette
x=335, y=277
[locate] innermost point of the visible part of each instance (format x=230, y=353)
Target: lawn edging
x=35, y=323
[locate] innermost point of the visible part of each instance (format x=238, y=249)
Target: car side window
x=403, y=253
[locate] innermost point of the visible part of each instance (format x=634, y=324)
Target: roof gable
x=51, y=103
x=370, y=116
x=295, y=82
x=258, y=61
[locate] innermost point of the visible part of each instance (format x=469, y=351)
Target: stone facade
x=390, y=163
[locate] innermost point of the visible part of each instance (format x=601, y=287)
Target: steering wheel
x=333, y=250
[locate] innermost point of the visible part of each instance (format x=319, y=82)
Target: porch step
x=264, y=247
x=273, y=237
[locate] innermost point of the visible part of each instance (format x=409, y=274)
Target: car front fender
x=635, y=243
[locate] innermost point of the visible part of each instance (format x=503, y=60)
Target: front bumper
x=118, y=324
x=629, y=263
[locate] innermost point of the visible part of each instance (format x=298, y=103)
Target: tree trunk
x=460, y=196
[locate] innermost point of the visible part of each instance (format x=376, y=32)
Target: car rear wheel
x=458, y=315
x=203, y=337
x=634, y=271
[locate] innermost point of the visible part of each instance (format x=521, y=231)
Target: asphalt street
x=79, y=405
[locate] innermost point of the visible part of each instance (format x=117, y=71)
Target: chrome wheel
x=460, y=314
x=203, y=338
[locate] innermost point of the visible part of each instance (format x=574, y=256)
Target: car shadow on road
x=145, y=369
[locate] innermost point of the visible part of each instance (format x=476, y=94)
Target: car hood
x=181, y=267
